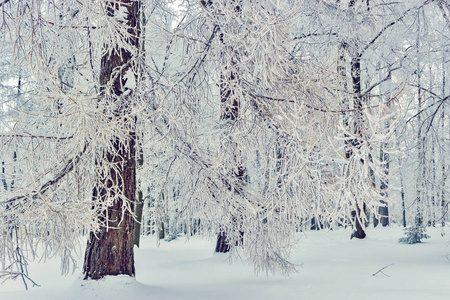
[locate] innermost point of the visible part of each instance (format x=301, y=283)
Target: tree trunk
x=420, y=178
x=139, y=207
x=138, y=212
x=230, y=109
x=383, y=211
x=222, y=245
x=444, y=171
x=110, y=251
x=359, y=232
x=356, y=143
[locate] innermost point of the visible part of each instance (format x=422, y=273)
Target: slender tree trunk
x=420, y=178
x=139, y=207
x=110, y=251
x=432, y=191
x=444, y=132
x=384, y=210
x=359, y=213
x=372, y=179
x=403, y=203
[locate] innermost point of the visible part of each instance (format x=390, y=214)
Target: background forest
x=246, y=120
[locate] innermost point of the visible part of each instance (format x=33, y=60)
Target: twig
x=381, y=271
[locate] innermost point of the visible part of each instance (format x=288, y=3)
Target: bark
x=110, y=251
x=357, y=104
x=222, y=245
x=357, y=214
x=359, y=232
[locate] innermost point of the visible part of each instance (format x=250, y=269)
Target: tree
x=231, y=96
x=110, y=250
x=62, y=128
x=252, y=116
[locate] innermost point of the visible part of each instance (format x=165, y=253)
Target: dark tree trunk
x=110, y=251
x=222, y=245
x=357, y=141
x=139, y=207
x=359, y=232
x=384, y=210
x=138, y=212
x=384, y=214
x=230, y=106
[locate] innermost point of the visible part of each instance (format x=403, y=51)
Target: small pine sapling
x=414, y=234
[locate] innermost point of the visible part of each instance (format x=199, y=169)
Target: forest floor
x=330, y=267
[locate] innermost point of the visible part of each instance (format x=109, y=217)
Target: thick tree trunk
x=110, y=251
x=359, y=232
x=230, y=110
x=222, y=245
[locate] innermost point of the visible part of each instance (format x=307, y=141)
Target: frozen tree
x=247, y=119
x=71, y=134
x=110, y=249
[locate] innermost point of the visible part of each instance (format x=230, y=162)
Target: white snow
x=121, y=14
x=332, y=267
x=130, y=78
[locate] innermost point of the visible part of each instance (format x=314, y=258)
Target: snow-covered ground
x=331, y=267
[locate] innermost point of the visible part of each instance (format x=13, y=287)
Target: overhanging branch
x=61, y=174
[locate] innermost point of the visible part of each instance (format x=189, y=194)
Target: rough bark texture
x=110, y=251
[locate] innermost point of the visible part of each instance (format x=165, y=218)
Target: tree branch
x=381, y=271
x=35, y=136
x=303, y=36
x=4, y=2
x=322, y=109
x=383, y=30
x=61, y=174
